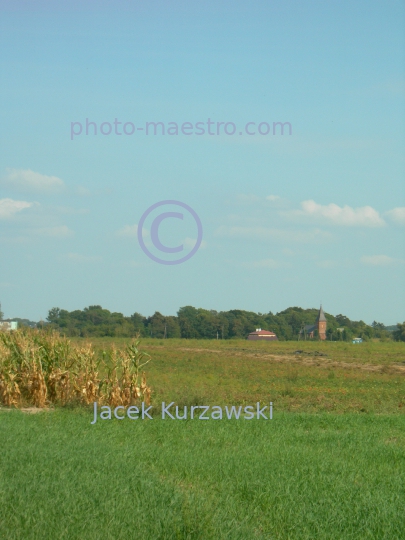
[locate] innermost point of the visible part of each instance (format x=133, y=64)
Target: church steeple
x=321, y=315
x=320, y=324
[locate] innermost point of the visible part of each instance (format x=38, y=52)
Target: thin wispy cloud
x=247, y=198
x=397, y=215
x=69, y=211
x=272, y=234
x=289, y=252
x=78, y=258
x=27, y=180
x=82, y=191
x=131, y=231
x=270, y=264
x=191, y=242
x=251, y=198
x=332, y=214
x=61, y=231
x=10, y=207
x=378, y=260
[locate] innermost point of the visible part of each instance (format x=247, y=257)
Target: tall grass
x=298, y=477
x=41, y=368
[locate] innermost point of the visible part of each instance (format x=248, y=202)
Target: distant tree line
x=198, y=323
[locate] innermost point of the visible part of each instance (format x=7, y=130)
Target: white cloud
x=61, y=231
x=397, y=215
x=269, y=234
x=9, y=207
x=191, y=242
x=271, y=264
x=27, y=180
x=364, y=216
x=378, y=260
x=77, y=258
x=250, y=198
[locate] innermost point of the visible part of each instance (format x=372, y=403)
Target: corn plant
x=41, y=368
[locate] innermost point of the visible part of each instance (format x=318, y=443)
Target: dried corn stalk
x=42, y=368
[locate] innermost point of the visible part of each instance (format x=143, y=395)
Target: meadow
x=330, y=465
x=296, y=376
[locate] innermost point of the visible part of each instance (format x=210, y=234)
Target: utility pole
x=165, y=334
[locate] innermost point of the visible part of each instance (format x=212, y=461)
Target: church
x=320, y=326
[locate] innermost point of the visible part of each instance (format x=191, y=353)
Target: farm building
x=262, y=335
x=6, y=326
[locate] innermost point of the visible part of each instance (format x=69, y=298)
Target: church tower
x=320, y=324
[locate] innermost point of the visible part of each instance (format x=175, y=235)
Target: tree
x=378, y=325
x=187, y=317
x=399, y=333
x=53, y=315
x=342, y=320
x=346, y=334
x=138, y=322
x=172, y=327
x=1, y=314
x=199, y=323
x=380, y=330
x=156, y=325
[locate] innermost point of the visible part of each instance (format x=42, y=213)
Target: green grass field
x=328, y=376
x=330, y=465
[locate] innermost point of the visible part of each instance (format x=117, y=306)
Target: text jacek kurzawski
x=200, y=412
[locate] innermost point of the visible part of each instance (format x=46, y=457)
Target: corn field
x=42, y=368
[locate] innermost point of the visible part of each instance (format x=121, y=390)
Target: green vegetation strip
x=198, y=323
x=327, y=377
x=299, y=476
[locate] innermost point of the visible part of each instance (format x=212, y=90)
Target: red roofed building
x=262, y=335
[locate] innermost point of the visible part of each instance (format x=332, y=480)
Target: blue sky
x=316, y=216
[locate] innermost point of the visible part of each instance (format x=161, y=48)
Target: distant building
x=320, y=326
x=262, y=335
x=357, y=340
x=6, y=326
